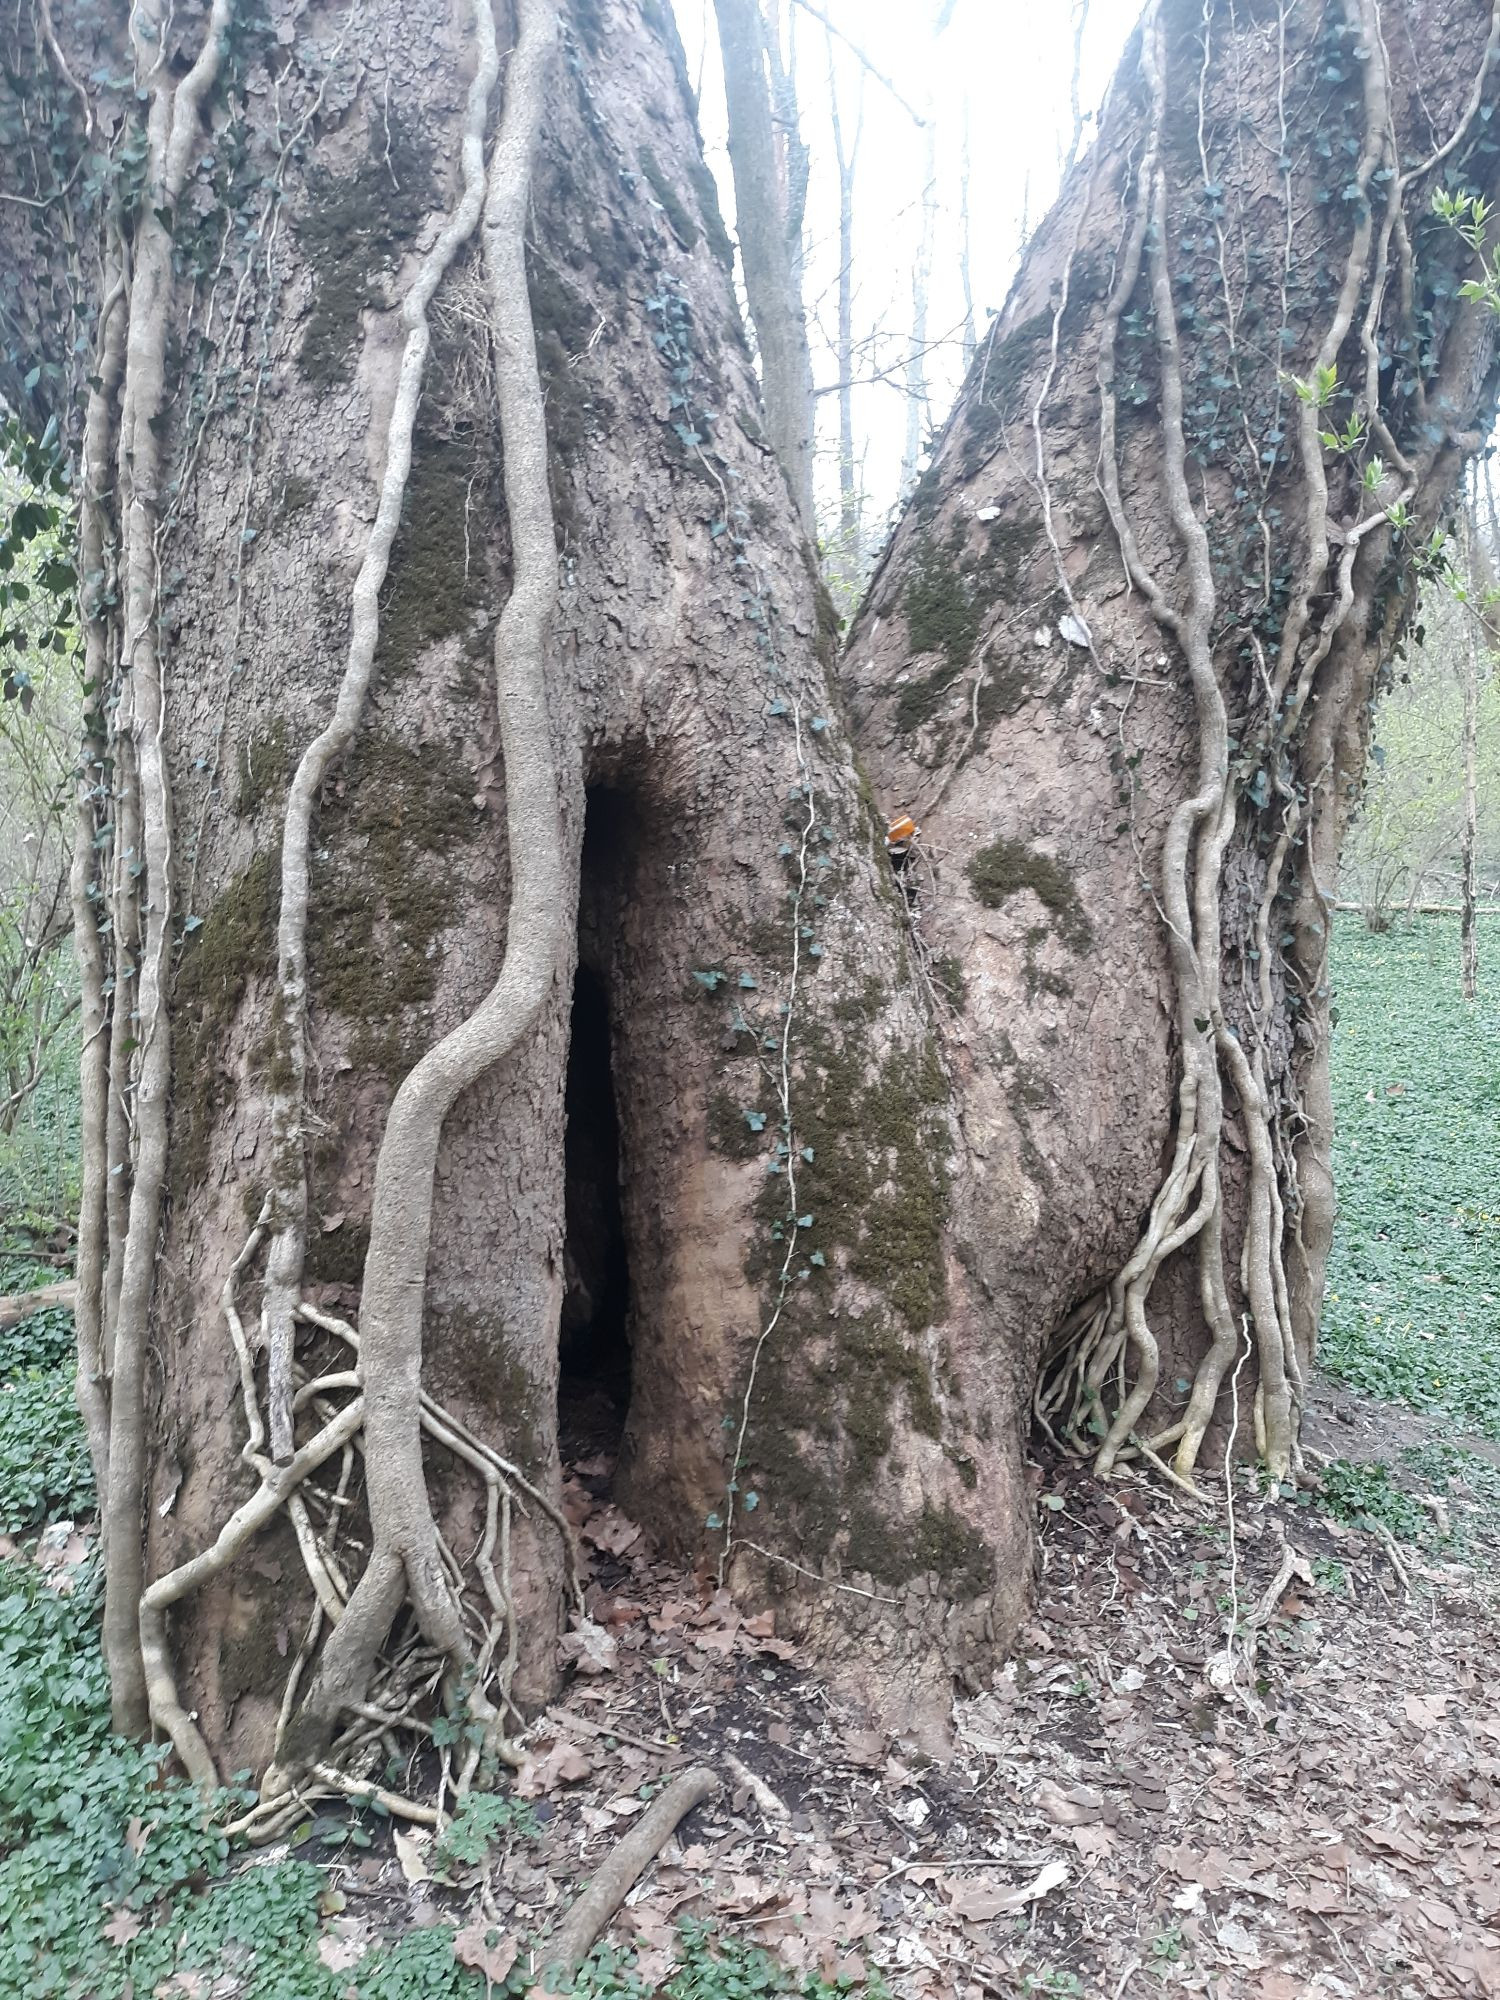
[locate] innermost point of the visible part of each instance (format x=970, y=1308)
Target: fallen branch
x=16, y=1306
x=622, y=1869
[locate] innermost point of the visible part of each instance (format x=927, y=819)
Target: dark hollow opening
x=594, y=1337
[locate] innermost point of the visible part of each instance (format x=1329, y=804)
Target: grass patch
x=1412, y=1306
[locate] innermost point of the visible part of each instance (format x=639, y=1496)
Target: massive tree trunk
x=1120, y=662
x=443, y=781
x=342, y=872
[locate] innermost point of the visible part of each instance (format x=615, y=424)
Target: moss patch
x=1001, y=870
x=730, y=1132
x=235, y=942
x=942, y=615
x=378, y=904
x=1004, y=378
x=352, y=232
x=435, y=584
x=473, y=1357
x=263, y=768
x=876, y=1197
x=681, y=223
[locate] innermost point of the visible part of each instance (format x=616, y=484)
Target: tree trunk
x=769, y=227
x=1120, y=660
x=1468, y=935
x=851, y=555
x=918, y=412
x=844, y=1146
x=332, y=467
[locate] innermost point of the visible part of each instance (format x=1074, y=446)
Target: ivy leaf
x=756, y=1120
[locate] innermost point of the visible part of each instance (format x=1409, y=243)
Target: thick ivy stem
x=288, y=1248
x=173, y=120
x=88, y=940
x=405, y=1561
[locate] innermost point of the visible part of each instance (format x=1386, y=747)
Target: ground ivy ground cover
x=116, y=1881
x=1413, y=1301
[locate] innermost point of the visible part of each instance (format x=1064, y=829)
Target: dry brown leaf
x=563, y=1764
x=590, y=1648
x=123, y=1925
x=1077, y=1806
x=484, y=1950
x=980, y=1898
x=1094, y=1843
x=339, y=1953
x=412, y=1855
x=608, y=1529
x=865, y=1747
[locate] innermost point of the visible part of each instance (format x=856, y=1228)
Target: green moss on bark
x=352, y=232
x=380, y=901
x=680, y=222
x=435, y=583
x=1005, y=867
x=235, y=943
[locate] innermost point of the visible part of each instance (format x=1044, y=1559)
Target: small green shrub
x=481, y=1822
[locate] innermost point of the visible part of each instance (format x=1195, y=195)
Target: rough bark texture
x=1258, y=204
x=802, y=1325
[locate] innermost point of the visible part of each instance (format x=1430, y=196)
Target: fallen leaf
x=485, y=1951
x=978, y=1900
x=590, y=1648
x=410, y=1852
x=1077, y=1806
x=339, y=1953
x=865, y=1747
x=563, y=1764
x=123, y=1925
x=608, y=1529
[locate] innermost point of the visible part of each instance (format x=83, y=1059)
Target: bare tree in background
x=768, y=219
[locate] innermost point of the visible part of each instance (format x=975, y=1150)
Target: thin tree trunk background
x=768, y=221
x=1468, y=933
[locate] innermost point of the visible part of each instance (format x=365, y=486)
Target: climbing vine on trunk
x=1179, y=512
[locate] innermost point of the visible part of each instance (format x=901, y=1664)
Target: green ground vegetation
x=1412, y=1309
x=117, y=1878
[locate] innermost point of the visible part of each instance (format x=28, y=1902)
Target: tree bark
x=879, y=1136
x=1468, y=934
x=1120, y=660
x=813, y=1410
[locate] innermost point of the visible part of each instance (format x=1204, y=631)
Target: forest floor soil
x=1137, y=1806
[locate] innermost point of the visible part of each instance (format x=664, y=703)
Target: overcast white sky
x=1004, y=66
